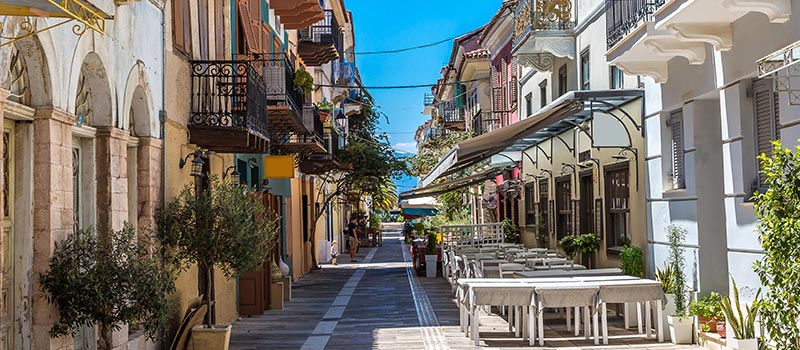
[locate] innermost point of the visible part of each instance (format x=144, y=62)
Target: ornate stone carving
x=542, y=62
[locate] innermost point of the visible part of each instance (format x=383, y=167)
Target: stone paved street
x=378, y=303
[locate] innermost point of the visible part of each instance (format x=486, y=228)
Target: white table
x=568, y=273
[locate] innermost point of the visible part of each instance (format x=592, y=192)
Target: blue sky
x=386, y=25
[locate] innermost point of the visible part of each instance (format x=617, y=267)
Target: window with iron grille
x=543, y=94
x=530, y=204
x=617, y=187
x=678, y=155
x=529, y=104
x=563, y=207
x=617, y=78
x=562, y=80
x=767, y=123
x=585, y=78
x=544, y=214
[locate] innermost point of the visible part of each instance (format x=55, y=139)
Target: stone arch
x=93, y=104
x=138, y=112
x=33, y=55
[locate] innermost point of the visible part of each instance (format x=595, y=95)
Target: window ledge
x=675, y=191
x=615, y=250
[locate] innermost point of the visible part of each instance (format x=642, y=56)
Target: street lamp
x=341, y=121
x=235, y=175
x=197, y=163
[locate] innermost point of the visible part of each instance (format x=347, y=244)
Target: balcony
x=484, y=122
x=321, y=42
x=644, y=35
x=319, y=163
x=284, y=99
x=427, y=104
x=228, y=107
x=451, y=117
x=297, y=14
x=309, y=140
x=543, y=30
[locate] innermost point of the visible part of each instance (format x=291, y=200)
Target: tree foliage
x=110, y=278
x=225, y=227
x=779, y=234
x=432, y=150
x=676, y=235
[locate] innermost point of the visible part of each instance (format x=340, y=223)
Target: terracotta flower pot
x=710, y=322
x=721, y=328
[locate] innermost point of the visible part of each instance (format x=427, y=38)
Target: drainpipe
x=162, y=118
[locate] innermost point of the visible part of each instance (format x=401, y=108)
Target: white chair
x=644, y=291
x=567, y=296
x=492, y=294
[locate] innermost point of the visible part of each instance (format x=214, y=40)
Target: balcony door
x=563, y=207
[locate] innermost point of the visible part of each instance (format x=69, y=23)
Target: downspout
x=162, y=118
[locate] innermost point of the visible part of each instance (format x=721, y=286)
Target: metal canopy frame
x=83, y=12
x=782, y=67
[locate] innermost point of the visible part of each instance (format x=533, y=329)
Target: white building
x=709, y=111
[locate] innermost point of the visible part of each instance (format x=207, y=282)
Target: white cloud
x=406, y=147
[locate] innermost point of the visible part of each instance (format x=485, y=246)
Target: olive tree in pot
x=224, y=227
x=570, y=247
x=680, y=324
x=587, y=244
x=430, y=256
x=108, y=278
x=742, y=323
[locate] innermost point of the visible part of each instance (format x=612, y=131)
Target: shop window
x=617, y=206
x=563, y=207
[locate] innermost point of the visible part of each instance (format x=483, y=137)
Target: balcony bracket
x=540, y=51
x=719, y=35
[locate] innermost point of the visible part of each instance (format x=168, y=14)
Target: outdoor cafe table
x=494, y=271
x=568, y=273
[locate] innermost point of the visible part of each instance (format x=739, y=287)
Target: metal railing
x=428, y=100
x=484, y=122
x=312, y=121
x=326, y=31
x=450, y=112
x=332, y=141
x=228, y=94
x=623, y=16
x=542, y=15
x=279, y=77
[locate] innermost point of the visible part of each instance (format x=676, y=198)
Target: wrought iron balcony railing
x=326, y=31
x=312, y=121
x=623, y=16
x=227, y=95
x=484, y=122
x=332, y=142
x=428, y=100
x=279, y=78
x=451, y=115
x=542, y=15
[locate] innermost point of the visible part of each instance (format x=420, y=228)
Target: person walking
x=334, y=253
x=352, y=238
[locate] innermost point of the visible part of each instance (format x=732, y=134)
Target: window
x=676, y=128
x=543, y=94
x=529, y=104
x=530, y=204
x=587, y=203
x=616, y=77
x=562, y=80
x=181, y=26
x=544, y=214
x=563, y=207
x=617, y=206
x=767, y=120
x=585, y=69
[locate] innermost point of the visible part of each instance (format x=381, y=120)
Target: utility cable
x=397, y=86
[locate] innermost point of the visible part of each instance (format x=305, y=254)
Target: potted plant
x=540, y=229
x=587, y=244
x=430, y=256
x=632, y=261
x=303, y=81
x=569, y=246
x=742, y=323
x=510, y=231
x=708, y=311
x=223, y=227
x=108, y=278
x=680, y=325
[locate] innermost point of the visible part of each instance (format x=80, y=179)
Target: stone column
x=149, y=174
x=53, y=213
x=111, y=147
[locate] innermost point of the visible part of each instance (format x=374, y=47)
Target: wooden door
x=7, y=313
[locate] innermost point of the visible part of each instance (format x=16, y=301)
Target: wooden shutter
x=513, y=84
x=202, y=23
x=497, y=98
x=255, y=22
x=247, y=26
x=676, y=125
x=767, y=120
x=219, y=28
x=181, y=26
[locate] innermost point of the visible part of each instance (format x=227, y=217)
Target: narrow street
x=379, y=303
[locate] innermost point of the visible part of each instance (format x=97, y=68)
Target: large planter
x=430, y=266
x=680, y=329
x=742, y=344
x=669, y=309
x=721, y=329
x=709, y=322
x=216, y=338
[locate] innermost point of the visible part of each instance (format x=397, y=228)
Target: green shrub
x=667, y=279
x=587, y=243
x=569, y=246
x=430, y=248
x=676, y=235
x=742, y=323
x=510, y=231
x=632, y=261
x=778, y=209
